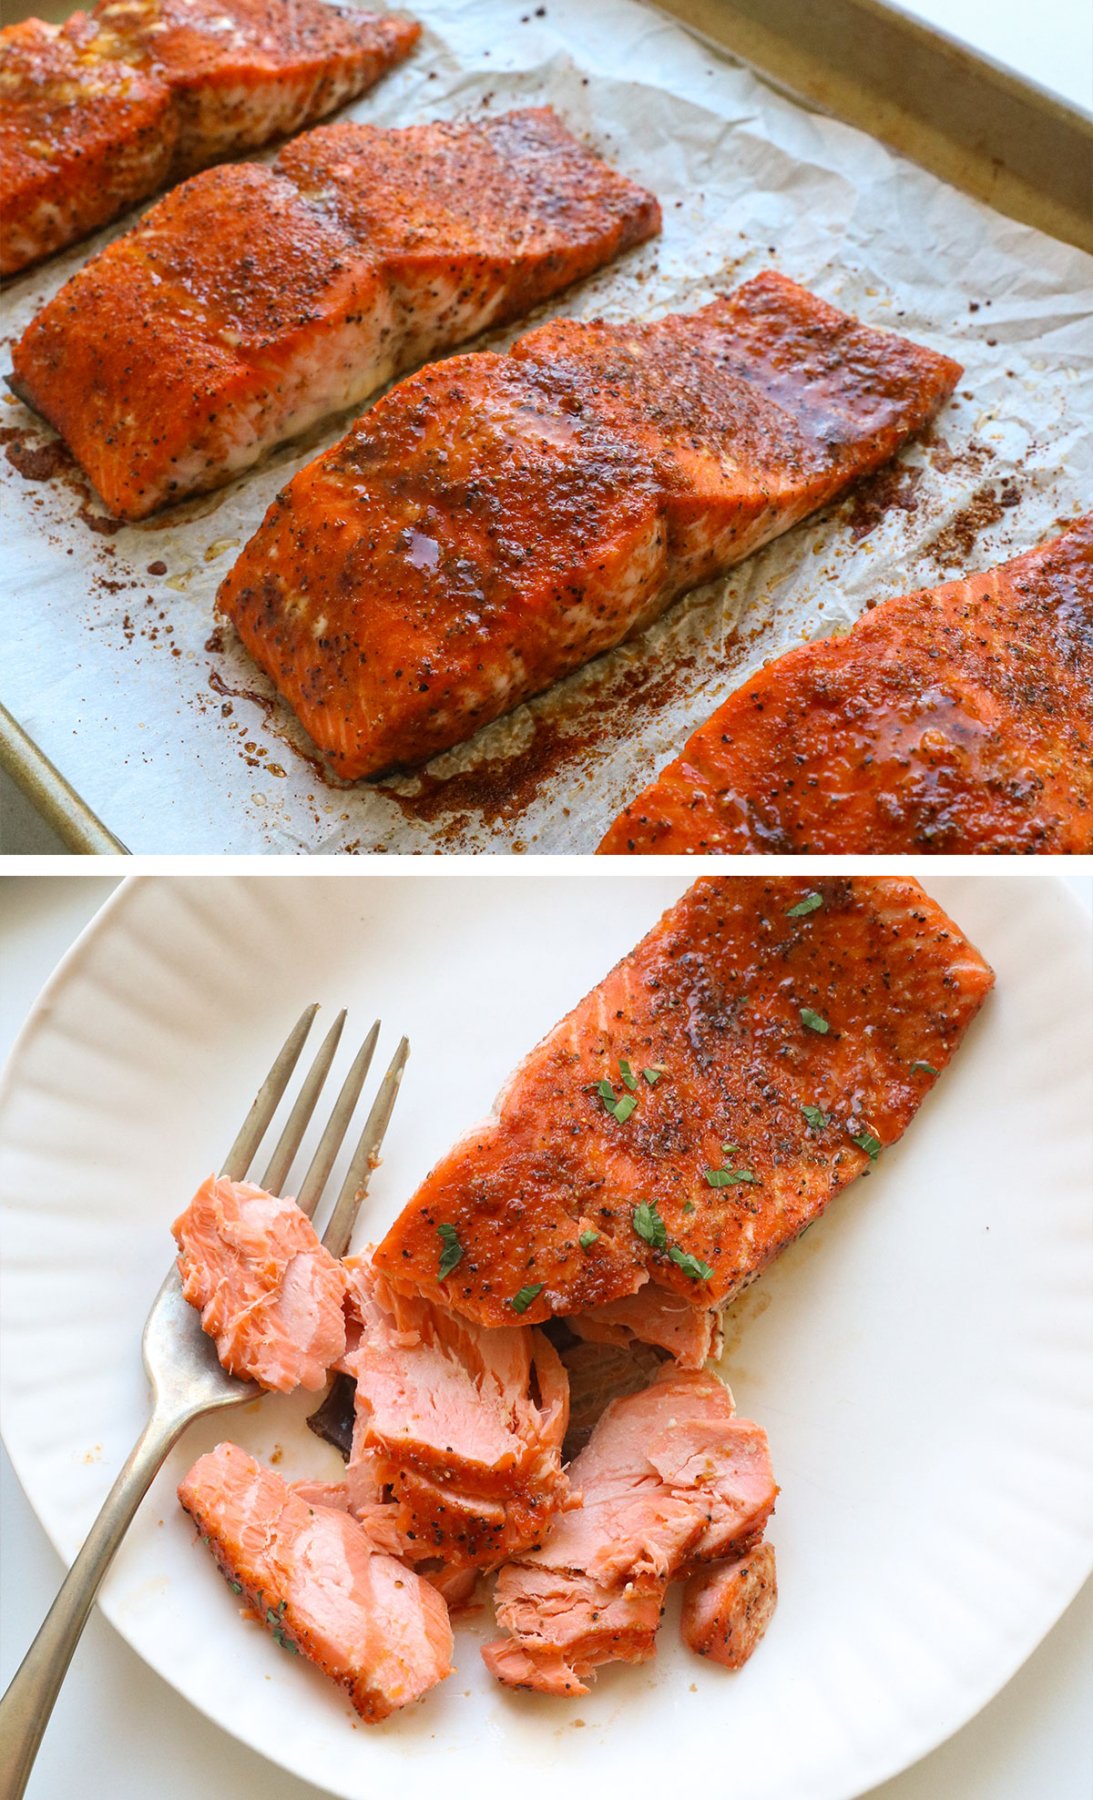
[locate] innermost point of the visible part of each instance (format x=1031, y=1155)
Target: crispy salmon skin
x=101, y=111
x=253, y=301
x=498, y=520
x=955, y=719
x=761, y=1046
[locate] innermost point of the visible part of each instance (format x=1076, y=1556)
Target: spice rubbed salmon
x=498, y=520
x=253, y=301
x=314, y=1577
x=763, y=1045
x=101, y=111
x=957, y=719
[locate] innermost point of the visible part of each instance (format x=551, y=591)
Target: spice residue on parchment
x=955, y=543
x=565, y=743
x=49, y=459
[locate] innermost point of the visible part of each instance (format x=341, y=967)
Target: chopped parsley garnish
x=524, y=1298
x=587, y=1239
x=731, y=1177
x=816, y=1116
x=867, y=1142
x=691, y=1265
x=237, y=1587
x=805, y=906
x=652, y=1076
x=451, y=1254
x=814, y=1020
x=688, y=1206
x=729, y=1149
x=628, y=1075
x=619, y=1106
x=286, y=1643
x=929, y=1067
x=649, y=1225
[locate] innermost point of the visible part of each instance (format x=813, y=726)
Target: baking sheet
x=114, y=662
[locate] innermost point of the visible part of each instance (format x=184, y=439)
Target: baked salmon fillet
x=957, y=719
x=311, y=1573
x=498, y=520
x=253, y=301
x=101, y=111
x=670, y=1478
x=761, y=1047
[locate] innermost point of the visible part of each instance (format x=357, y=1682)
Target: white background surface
x=119, y=1731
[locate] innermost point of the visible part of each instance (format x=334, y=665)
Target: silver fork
x=180, y=1361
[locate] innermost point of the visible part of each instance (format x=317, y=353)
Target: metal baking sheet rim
x=827, y=69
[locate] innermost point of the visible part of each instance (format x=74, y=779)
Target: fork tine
x=299, y=1118
x=340, y=1225
x=338, y=1124
x=267, y=1099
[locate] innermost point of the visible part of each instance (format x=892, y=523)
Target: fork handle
x=29, y=1701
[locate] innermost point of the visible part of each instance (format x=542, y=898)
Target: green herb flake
x=731, y=1177
x=688, y=1206
x=814, y=1020
x=805, y=906
x=605, y=1090
x=816, y=1117
x=237, y=1587
x=652, y=1076
x=623, y=1108
x=649, y=1225
x=691, y=1265
x=928, y=1068
x=521, y=1301
x=286, y=1643
x=451, y=1253
x=587, y=1239
x=730, y=1149
x=628, y=1075
x=867, y=1142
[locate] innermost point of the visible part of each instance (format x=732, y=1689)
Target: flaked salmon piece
x=101, y=111
x=798, y=1025
x=954, y=719
x=253, y=301
x=459, y=1427
x=564, y=1626
x=498, y=520
x=689, y=1333
x=599, y=1373
x=663, y=1473
x=268, y=1292
x=728, y=1606
x=312, y=1573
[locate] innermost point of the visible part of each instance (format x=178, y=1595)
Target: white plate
x=921, y=1360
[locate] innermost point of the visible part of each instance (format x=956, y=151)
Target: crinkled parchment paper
x=162, y=723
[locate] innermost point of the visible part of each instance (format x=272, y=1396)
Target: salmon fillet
x=498, y=520
x=669, y=1477
x=727, y=1608
x=955, y=719
x=461, y=1428
x=268, y=1292
x=653, y=1316
x=253, y=301
x=312, y=1574
x=791, y=1030
x=101, y=111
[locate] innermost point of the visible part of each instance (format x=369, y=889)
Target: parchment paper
x=175, y=740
